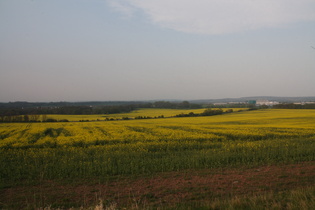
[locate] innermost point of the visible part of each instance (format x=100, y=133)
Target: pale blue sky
x=81, y=50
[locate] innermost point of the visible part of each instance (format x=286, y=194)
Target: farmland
x=102, y=151
x=139, y=113
x=152, y=113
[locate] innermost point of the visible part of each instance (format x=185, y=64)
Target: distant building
x=266, y=102
x=220, y=104
x=303, y=103
x=252, y=102
x=237, y=102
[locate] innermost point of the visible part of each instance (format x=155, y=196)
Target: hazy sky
x=79, y=50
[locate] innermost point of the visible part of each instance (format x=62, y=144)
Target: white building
x=266, y=102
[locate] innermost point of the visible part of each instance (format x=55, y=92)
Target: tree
x=184, y=105
x=26, y=118
x=44, y=117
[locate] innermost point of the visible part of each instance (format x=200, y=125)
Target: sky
x=122, y=50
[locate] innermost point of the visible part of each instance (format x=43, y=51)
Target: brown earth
x=169, y=188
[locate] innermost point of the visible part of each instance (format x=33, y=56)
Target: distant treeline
x=294, y=106
x=24, y=104
x=29, y=118
x=240, y=105
x=68, y=110
x=175, y=105
x=20, y=113
x=207, y=112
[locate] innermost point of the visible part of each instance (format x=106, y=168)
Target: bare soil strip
x=169, y=188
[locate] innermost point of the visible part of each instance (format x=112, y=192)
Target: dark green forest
x=30, y=112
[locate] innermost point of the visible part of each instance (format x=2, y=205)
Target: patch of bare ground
x=169, y=188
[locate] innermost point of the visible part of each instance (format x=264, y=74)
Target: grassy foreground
x=41, y=157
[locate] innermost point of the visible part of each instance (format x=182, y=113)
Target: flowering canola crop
x=101, y=148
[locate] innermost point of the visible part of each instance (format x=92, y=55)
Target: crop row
x=139, y=158
x=101, y=149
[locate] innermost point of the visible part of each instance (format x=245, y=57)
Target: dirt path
x=170, y=187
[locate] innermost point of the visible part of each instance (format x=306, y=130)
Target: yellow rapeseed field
x=149, y=112
x=261, y=124
x=37, y=151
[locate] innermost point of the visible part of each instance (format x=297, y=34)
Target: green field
x=100, y=151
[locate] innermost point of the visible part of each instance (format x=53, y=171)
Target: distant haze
x=111, y=50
